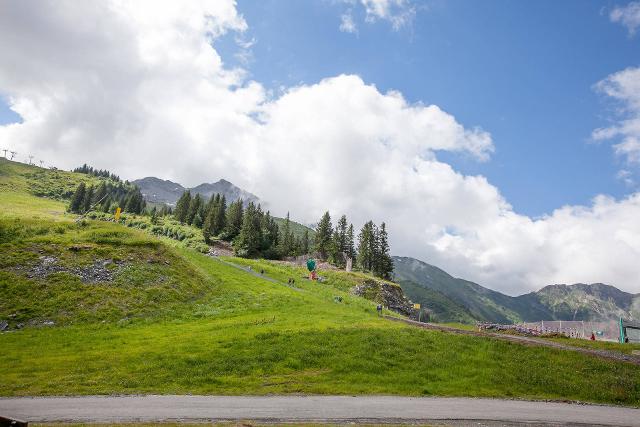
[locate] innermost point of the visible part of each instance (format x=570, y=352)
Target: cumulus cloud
x=628, y=15
x=140, y=89
x=624, y=88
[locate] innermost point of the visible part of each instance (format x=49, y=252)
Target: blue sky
x=523, y=71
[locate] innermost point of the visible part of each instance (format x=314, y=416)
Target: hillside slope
x=556, y=302
x=176, y=321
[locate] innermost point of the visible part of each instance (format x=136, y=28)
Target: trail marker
x=118, y=211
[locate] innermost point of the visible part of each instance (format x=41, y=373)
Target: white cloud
x=138, y=88
x=398, y=12
x=624, y=88
x=346, y=23
x=629, y=16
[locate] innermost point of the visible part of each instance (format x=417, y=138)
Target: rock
x=388, y=294
x=4, y=326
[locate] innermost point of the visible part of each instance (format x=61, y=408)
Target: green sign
x=311, y=264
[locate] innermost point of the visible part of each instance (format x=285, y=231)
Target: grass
x=187, y=323
x=626, y=348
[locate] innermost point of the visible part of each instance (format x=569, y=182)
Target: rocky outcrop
x=388, y=294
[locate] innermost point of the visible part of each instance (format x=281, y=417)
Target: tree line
x=89, y=170
x=252, y=231
x=106, y=197
x=336, y=244
x=255, y=233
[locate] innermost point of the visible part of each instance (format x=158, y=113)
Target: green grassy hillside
x=160, y=317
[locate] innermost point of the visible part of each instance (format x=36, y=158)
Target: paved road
x=378, y=409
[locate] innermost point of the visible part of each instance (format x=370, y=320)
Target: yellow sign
x=416, y=306
x=118, y=210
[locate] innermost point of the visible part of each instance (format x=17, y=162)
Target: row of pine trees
x=90, y=170
x=255, y=233
x=106, y=197
x=336, y=244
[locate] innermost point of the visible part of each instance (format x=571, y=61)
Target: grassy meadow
x=170, y=320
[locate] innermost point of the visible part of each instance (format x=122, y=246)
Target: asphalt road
x=376, y=409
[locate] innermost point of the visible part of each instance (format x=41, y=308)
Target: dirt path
x=607, y=354
x=273, y=409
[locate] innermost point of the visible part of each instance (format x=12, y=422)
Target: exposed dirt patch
x=102, y=270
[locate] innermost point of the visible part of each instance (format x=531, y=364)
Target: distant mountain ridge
x=453, y=299
x=156, y=190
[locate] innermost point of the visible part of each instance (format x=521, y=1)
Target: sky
x=498, y=140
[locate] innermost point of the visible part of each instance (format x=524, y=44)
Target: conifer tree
x=220, y=217
x=385, y=262
x=235, y=215
x=78, y=198
x=287, y=241
x=88, y=199
x=182, y=207
x=250, y=238
x=351, y=249
x=194, y=208
x=101, y=192
x=304, y=242
x=365, y=246
x=324, y=232
x=270, y=236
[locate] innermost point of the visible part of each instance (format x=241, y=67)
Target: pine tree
x=304, y=243
x=270, y=237
x=335, y=256
x=101, y=192
x=339, y=242
x=385, y=262
x=351, y=249
x=248, y=242
x=287, y=241
x=182, y=207
x=78, y=198
x=220, y=217
x=88, y=199
x=235, y=215
x=194, y=208
x=324, y=232
x=365, y=246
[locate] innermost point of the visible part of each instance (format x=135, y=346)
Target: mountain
x=457, y=299
x=156, y=190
